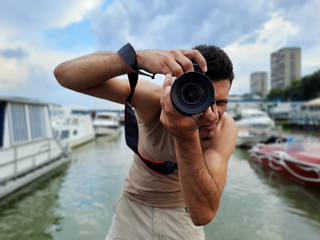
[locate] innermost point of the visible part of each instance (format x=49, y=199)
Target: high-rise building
x=259, y=83
x=285, y=67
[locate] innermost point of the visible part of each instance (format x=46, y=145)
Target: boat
x=295, y=159
x=28, y=148
x=106, y=124
x=248, y=138
x=253, y=118
x=71, y=128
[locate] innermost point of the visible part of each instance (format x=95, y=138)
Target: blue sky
x=38, y=35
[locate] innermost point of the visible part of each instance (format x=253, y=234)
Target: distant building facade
x=285, y=67
x=259, y=83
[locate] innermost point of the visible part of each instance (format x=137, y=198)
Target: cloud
x=248, y=31
x=251, y=52
x=13, y=53
x=12, y=73
x=24, y=18
x=173, y=23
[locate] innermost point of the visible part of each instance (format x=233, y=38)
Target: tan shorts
x=136, y=221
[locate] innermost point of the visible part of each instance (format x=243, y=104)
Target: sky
x=37, y=35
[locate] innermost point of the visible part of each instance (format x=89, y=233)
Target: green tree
x=311, y=86
x=306, y=88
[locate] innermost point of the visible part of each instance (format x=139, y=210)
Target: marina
x=76, y=201
x=64, y=95
x=62, y=172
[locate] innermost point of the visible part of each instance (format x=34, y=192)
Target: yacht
x=71, y=128
x=106, y=123
x=28, y=148
x=253, y=118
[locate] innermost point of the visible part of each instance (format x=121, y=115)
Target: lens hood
x=192, y=93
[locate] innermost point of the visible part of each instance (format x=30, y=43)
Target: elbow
x=203, y=219
x=60, y=75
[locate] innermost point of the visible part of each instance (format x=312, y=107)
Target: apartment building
x=285, y=67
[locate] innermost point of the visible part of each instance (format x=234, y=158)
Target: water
x=75, y=201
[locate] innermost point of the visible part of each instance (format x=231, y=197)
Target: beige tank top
x=142, y=184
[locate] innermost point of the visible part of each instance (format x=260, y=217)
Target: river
x=75, y=201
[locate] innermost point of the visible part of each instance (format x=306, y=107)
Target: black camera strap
x=128, y=55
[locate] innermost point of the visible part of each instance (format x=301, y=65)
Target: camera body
x=192, y=92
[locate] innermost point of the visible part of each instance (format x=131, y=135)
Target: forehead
x=221, y=89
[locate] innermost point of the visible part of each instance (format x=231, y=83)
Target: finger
x=215, y=111
x=198, y=57
x=209, y=114
x=185, y=63
x=175, y=68
x=167, y=81
x=165, y=98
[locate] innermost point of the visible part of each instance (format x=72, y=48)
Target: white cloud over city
x=37, y=35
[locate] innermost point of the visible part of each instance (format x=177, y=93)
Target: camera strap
x=130, y=121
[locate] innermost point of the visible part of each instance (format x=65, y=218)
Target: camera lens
x=192, y=93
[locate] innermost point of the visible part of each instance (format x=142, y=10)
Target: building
x=285, y=67
x=259, y=83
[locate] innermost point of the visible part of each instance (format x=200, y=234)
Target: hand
x=173, y=62
x=182, y=126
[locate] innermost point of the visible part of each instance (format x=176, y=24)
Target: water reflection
x=299, y=198
x=76, y=202
x=93, y=184
x=30, y=213
x=256, y=205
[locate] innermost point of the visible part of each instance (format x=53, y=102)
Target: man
x=154, y=205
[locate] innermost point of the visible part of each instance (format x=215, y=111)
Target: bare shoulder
x=229, y=125
x=228, y=130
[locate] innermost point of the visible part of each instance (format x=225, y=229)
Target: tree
x=305, y=88
x=311, y=86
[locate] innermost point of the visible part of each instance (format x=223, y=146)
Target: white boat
x=71, y=128
x=106, y=123
x=249, y=138
x=28, y=148
x=254, y=118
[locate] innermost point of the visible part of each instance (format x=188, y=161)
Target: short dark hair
x=219, y=64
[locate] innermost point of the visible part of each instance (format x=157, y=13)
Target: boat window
x=104, y=117
x=64, y=134
x=19, y=122
x=27, y=122
x=37, y=120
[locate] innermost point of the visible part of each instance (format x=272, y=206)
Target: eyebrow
x=222, y=101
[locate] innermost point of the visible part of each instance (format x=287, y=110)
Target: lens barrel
x=192, y=93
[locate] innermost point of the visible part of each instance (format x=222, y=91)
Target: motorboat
x=106, y=123
x=253, y=118
x=293, y=158
x=28, y=148
x=71, y=128
x=248, y=138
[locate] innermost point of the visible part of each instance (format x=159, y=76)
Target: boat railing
x=36, y=159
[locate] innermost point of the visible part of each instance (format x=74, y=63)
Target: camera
x=192, y=92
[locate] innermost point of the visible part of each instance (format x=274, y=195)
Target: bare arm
x=95, y=74
x=202, y=164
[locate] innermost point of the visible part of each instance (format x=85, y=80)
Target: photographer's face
x=210, y=125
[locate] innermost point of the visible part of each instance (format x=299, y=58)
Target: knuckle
x=177, y=70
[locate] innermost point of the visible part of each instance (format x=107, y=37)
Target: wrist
x=139, y=56
x=129, y=56
x=187, y=137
